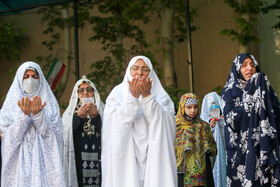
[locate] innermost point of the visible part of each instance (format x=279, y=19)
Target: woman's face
x=248, y=69
x=140, y=70
x=85, y=90
x=191, y=110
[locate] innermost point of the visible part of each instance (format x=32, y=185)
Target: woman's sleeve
x=233, y=112
x=44, y=125
x=17, y=130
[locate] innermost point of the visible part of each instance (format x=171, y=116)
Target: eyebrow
x=27, y=75
x=140, y=66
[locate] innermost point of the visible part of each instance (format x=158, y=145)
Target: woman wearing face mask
x=194, y=144
x=82, y=136
x=31, y=132
x=252, y=116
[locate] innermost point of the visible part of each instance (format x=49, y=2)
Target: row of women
x=136, y=140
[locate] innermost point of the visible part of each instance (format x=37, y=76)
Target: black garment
x=210, y=179
x=87, y=151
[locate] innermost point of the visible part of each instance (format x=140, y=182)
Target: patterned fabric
x=193, y=139
x=251, y=133
x=87, y=152
x=67, y=119
x=191, y=101
x=31, y=145
x=219, y=170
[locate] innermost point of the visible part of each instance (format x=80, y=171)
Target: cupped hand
x=25, y=105
x=37, y=105
x=146, y=87
x=82, y=112
x=92, y=111
x=134, y=87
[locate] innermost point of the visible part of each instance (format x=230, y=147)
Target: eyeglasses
x=88, y=89
x=143, y=70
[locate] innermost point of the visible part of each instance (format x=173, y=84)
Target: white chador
x=31, y=145
x=138, y=136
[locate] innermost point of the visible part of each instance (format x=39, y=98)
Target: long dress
x=138, y=137
x=194, y=142
x=82, y=150
x=219, y=170
x=87, y=150
x=31, y=145
x=252, y=113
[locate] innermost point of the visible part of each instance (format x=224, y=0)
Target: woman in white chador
x=82, y=123
x=31, y=129
x=139, y=131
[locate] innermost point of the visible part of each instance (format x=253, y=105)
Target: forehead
x=140, y=63
x=191, y=105
x=247, y=60
x=84, y=85
x=30, y=72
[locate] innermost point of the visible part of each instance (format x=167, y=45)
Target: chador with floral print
x=251, y=110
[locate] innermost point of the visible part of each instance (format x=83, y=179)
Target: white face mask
x=30, y=85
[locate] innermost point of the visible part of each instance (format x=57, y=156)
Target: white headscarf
x=45, y=151
x=16, y=92
x=120, y=139
x=121, y=92
x=67, y=120
x=206, y=104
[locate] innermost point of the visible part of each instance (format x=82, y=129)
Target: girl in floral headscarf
x=194, y=143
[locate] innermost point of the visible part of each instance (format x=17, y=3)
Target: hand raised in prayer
x=134, y=87
x=25, y=105
x=92, y=111
x=146, y=87
x=82, y=112
x=37, y=105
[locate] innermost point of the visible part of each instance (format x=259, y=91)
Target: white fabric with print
x=31, y=146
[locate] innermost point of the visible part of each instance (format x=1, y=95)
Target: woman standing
x=139, y=131
x=31, y=129
x=194, y=144
x=82, y=122
x=211, y=100
x=251, y=110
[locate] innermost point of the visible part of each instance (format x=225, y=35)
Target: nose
x=250, y=67
x=139, y=72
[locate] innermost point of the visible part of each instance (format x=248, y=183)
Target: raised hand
x=145, y=87
x=134, y=87
x=82, y=112
x=25, y=105
x=37, y=105
x=92, y=111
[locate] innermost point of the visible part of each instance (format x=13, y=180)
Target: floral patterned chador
x=252, y=115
